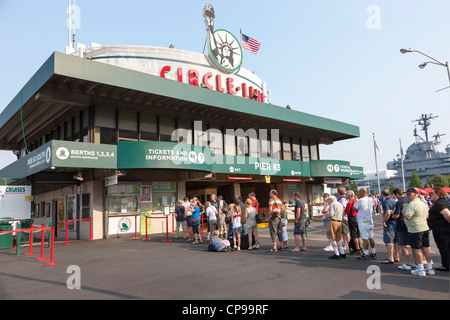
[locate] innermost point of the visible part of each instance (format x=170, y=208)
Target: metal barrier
x=31, y=230
x=67, y=230
x=167, y=228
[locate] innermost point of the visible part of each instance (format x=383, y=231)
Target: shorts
x=402, y=237
x=335, y=230
x=353, y=227
x=365, y=230
x=251, y=228
x=222, y=223
x=275, y=229
x=419, y=240
x=212, y=225
x=389, y=234
x=238, y=229
x=299, y=227
x=195, y=229
x=344, y=225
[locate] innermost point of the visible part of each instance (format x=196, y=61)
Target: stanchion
x=67, y=234
x=167, y=230
x=146, y=229
x=135, y=228
x=203, y=234
x=42, y=246
x=173, y=223
x=90, y=229
x=52, y=263
x=30, y=253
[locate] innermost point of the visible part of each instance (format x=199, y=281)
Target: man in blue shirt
x=389, y=234
x=400, y=227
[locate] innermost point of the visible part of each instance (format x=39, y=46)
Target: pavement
x=130, y=269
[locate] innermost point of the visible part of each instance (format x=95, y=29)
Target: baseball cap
x=412, y=190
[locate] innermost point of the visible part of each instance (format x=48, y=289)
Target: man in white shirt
x=365, y=224
x=334, y=232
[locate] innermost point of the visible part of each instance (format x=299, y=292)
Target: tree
x=429, y=183
x=354, y=187
x=439, y=181
x=415, y=181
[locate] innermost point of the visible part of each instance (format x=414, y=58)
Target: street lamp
x=435, y=61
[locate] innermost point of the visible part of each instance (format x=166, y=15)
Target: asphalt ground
x=129, y=269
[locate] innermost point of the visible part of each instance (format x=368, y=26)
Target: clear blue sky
x=319, y=57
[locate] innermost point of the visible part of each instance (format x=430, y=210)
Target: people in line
x=299, y=223
x=407, y=222
x=416, y=214
x=389, y=225
x=364, y=207
x=439, y=223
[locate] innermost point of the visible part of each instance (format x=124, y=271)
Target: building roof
x=66, y=84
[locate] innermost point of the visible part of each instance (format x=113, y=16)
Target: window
x=230, y=142
x=305, y=150
x=148, y=127
x=166, y=127
x=105, y=126
x=85, y=126
x=287, y=152
x=264, y=141
x=128, y=125
x=314, y=151
x=296, y=150
x=200, y=136
x=184, y=132
x=76, y=128
x=215, y=140
x=68, y=130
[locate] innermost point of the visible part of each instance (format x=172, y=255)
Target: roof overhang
x=66, y=84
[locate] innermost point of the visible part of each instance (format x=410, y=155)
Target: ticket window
x=123, y=199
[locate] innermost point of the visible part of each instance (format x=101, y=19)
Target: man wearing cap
x=415, y=215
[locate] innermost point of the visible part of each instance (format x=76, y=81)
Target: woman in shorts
x=252, y=225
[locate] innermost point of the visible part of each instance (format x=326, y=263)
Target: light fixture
x=423, y=65
x=404, y=50
x=239, y=178
x=78, y=176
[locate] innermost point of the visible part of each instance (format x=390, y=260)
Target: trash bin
x=5, y=238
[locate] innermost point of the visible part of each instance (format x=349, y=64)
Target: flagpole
x=403, y=171
x=376, y=163
x=242, y=63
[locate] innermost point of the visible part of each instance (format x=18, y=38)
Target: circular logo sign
x=330, y=168
x=225, y=50
x=62, y=153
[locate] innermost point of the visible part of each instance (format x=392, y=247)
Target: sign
x=15, y=202
x=170, y=155
x=111, y=180
x=67, y=154
x=224, y=49
x=83, y=155
x=332, y=180
x=122, y=225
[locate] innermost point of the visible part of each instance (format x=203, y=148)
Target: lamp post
x=435, y=61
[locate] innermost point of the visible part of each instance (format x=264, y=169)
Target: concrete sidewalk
x=135, y=269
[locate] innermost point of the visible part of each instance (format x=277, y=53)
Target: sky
x=335, y=59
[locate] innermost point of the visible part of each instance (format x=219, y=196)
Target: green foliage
x=415, y=181
x=439, y=180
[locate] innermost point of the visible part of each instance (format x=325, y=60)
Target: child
x=237, y=227
x=216, y=244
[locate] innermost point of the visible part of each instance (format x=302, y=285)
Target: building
x=118, y=132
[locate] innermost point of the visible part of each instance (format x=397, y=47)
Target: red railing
x=167, y=227
x=31, y=230
x=67, y=229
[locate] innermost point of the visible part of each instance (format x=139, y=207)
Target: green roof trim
x=85, y=69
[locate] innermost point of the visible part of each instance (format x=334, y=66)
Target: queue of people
x=407, y=221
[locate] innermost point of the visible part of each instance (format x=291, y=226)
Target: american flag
x=250, y=44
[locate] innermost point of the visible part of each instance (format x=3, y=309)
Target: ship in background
x=422, y=156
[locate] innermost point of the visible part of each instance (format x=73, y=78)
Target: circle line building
x=119, y=132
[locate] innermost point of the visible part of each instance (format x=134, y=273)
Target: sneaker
x=418, y=272
x=430, y=271
x=364, y=258
x=343, y=256
x=334, y=257
x=404, y=267
x=329, y=248
x=373, y=256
